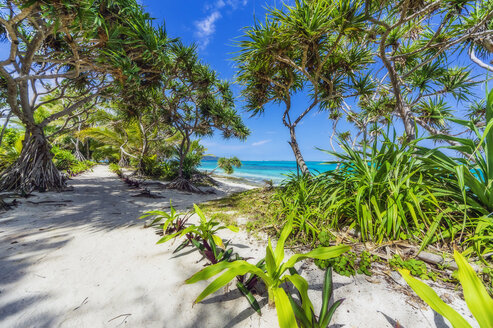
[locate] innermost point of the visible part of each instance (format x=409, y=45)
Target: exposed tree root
x=183, y=185
x=4, y=206
x=33, y=170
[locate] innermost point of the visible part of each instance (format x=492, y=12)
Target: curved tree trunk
x=297, y=153
x=34, y=169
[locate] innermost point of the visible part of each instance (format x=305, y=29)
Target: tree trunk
x=34, y=169
x=297, y=154
x=5, y=127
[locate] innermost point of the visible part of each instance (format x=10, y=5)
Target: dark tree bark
x=34, y=169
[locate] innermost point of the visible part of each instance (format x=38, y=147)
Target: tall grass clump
x=468, y=178
x=380, y=192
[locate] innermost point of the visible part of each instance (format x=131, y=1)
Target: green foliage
x=207, y=229
x=10, y=149
x=348, y=264
x=115, y=168
x=228, y=164
x=63, y=158
x=191, y=160
x=475, y=294
x=273, y=277
x=326, y=311
x=79, y=167
x=152, y=167
x=416, y=267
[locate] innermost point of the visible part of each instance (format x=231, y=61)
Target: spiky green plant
x=306, y=316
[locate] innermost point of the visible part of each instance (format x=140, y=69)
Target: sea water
x=259, y=171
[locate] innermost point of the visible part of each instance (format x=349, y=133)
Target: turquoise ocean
x=258, y=171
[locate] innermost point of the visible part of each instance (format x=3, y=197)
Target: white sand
x=83, y=260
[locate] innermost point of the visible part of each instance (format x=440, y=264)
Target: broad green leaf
x=428, y=295
x=285, y=314
x=233, y=228
x=224, y=279
x=302, y=286
x=475, y=294
x=270, y=262
x=218, y=241
x=200, y=214
x=326, y=292
x=321, y=253
x=286, y=231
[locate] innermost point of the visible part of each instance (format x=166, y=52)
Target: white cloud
x=261, y=142
x=207, y=26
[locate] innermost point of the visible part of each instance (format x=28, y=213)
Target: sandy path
x=81, y=259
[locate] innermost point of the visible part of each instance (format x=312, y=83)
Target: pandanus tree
x=416, y=45
x=74, y=51
x=310, y=48
x=198, y=103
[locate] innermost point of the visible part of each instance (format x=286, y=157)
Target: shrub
x=63, y=158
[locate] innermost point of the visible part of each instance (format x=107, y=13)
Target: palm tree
x=311, y=48
x=71, y=51
x=198, y=103
x=227, y=164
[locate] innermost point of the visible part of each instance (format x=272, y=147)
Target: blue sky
x=214, y=26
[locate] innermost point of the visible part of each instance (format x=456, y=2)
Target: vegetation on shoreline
x=99, y=81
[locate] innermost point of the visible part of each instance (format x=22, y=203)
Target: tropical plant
x=273, y=277
x=306, y=317
x=310, y=47
x=469, y=178
x=227, y=164
x=476, y=296
x=171, y=222
x=198, y=103
x=206, y=230
x=71, y=49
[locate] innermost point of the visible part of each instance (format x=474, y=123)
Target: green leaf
x=302, y=286
x=249, y=296
x=286, y=231
x=285, y=314
x=321, y=253
x=431, y=298
x=201, y=215
x=218, y=241
x=270, y=262
x=475, y=294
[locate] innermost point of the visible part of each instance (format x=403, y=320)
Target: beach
x=81, y=258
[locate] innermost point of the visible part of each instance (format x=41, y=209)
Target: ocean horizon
x=259, y=171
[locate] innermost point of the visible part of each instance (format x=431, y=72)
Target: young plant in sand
x=172, y=222
x=478, y=301
x=274, y=276
x=306, y=317
x=206, y=230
